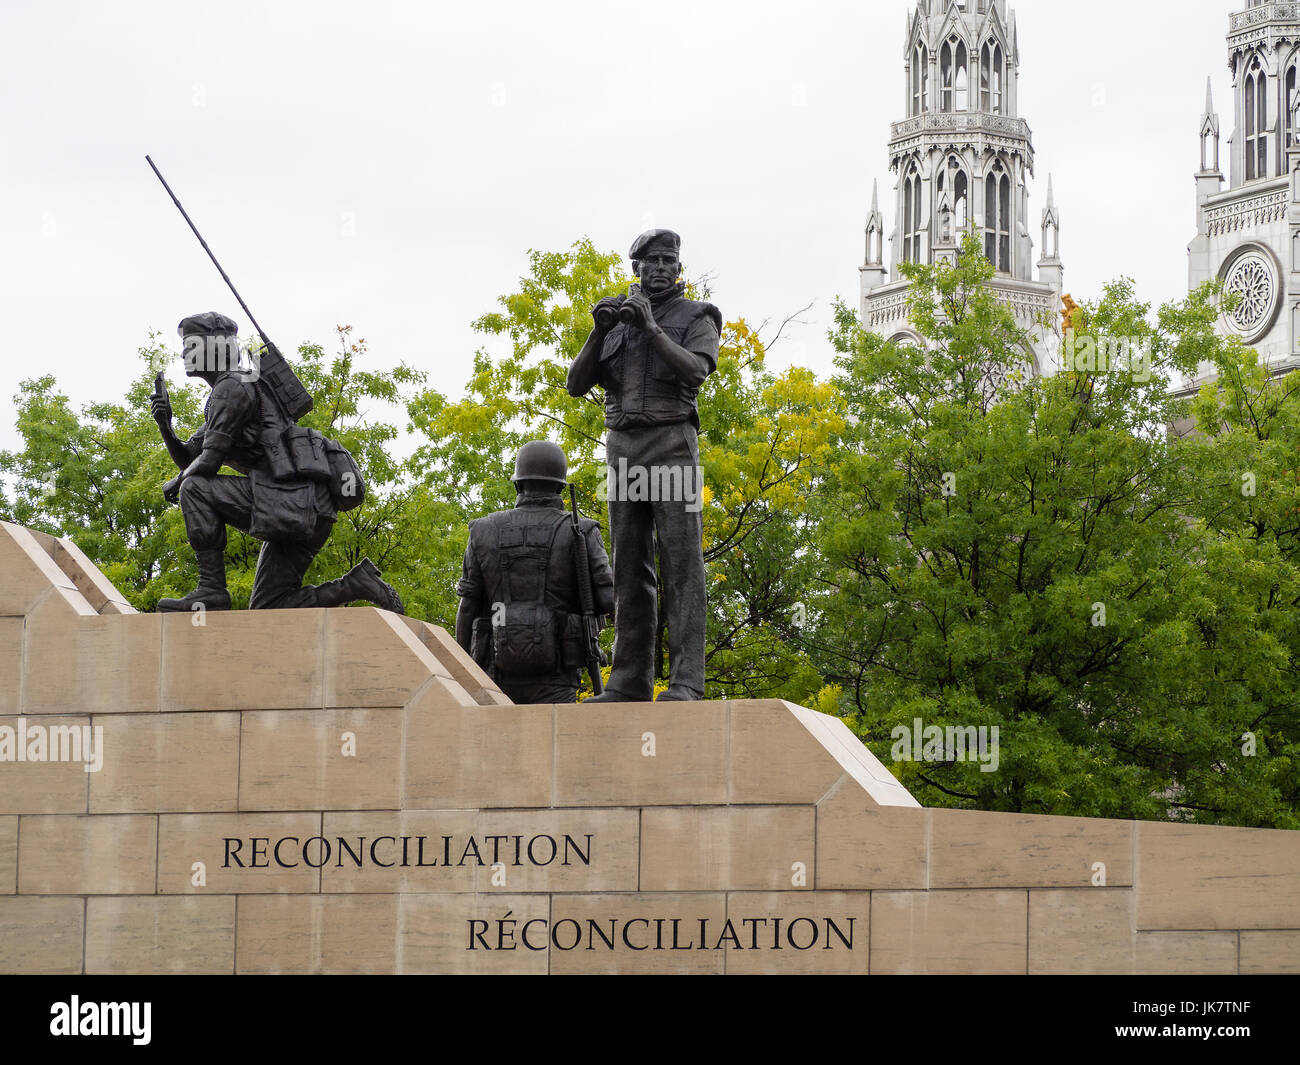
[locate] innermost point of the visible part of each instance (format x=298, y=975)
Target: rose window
x=1252, y=279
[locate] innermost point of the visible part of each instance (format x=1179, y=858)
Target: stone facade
x=343, y=791
x=1248, y=234
x=963, y=157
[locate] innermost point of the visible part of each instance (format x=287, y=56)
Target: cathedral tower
x=1248, y=234
x=962, y=157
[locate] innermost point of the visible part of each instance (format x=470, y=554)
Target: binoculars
x=606, y=315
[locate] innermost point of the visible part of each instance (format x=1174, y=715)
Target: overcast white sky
x=389, y=165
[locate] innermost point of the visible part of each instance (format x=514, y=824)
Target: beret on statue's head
x=208, y=324
x=664, y=237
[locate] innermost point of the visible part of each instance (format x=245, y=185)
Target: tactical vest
x=641, y=389
x=513, y=549
x=246, y=452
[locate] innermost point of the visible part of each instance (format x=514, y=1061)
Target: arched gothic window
x=874, y=238
x=913, y=222
x=997, y=218
x=953, y=180
x=1289, y=102
x=920, y=79
x=997, y=79
x=1256, y=108
x=962, y=80
x=954, y=80
x=961, y=201
x=986, y=59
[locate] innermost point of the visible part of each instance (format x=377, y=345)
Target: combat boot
x=211, y=592
x=360, y=583
x=611, y=695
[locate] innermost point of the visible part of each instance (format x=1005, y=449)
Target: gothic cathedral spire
x=1248, y=234
x=963, y=156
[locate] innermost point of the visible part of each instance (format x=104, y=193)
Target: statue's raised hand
x=160, y=403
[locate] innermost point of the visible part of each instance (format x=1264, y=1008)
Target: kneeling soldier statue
x=296, y=480
x=522, y=615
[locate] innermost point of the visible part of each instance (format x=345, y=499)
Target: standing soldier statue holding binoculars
x=650, y=351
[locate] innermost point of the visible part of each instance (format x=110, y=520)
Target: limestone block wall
x=345, y=791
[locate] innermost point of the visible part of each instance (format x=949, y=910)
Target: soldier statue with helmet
x=521, y=612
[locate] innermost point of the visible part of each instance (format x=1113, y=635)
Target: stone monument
x=345, y=791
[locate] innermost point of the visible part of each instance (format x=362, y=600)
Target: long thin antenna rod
x=195, y=228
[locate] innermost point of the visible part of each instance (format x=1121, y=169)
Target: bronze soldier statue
x=292, y=514
x=650, y=351
x=520, y=613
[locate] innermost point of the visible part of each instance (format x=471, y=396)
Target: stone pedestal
x=342, y=791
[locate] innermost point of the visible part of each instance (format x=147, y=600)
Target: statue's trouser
x=525, y=690
x=209, y=504
x=655, y=500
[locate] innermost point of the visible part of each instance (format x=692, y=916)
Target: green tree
x=95, y=474
x=1031, y=553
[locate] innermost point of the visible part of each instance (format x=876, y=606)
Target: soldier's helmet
x=540, y=460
